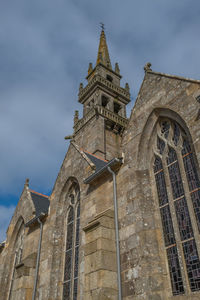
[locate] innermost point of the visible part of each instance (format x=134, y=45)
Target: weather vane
x=102, y=25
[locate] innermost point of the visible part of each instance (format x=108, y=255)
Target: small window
x=117, y=107
x=109, y=78
x=104, y=101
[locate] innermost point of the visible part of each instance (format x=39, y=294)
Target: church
x=123, y=218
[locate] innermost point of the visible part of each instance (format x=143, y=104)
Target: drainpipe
x=116, y=233
x=38, y=260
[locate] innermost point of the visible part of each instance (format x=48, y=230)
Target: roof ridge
x=91, y=164
x=95, y=155
x=173, y=76
x=32, y=191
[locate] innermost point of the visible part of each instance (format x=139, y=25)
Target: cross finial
x=27, y=182
x=102, y=25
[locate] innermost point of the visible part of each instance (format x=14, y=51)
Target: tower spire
x=103, y=54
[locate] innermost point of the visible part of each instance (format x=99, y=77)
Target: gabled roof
x=115, y=162
x=97, y=161
x=101, y=165
x=41, y=203
x=2, y=245
x=173, y=76
x=149, y=74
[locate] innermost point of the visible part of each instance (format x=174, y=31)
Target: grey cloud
x=45, y=48
x=5, y=216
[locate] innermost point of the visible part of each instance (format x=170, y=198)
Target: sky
x=45, y=49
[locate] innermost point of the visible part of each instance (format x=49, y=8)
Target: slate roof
x=41, y=203
x=97, y=161
x=112, y=163
x=2, y=245
x=101, y=165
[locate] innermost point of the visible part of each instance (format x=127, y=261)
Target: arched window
x=19, y=245
x=71, y=270
x=178, y=189
x=18, y=251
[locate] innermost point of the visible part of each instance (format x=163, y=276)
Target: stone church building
x=123, y=218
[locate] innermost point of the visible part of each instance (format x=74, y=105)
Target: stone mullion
x=176, y=228
x=77, y=203
x=66, y=236
x=73, y=251
x=64, y=243
x=12, y=276
x=110, y=104
x=189, y=200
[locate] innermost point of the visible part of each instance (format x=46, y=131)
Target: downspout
x=116, y=233
x=38, y=260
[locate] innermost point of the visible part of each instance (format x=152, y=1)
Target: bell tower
x=104, y=107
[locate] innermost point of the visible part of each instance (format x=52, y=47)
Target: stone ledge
x=92, y=226
x=100, y=220
x=19, y=265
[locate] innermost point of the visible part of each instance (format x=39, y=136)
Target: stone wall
x=144, y=263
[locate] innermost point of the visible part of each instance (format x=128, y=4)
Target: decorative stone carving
x=26, y=182
x=81, y=87
x=147, y=67
x=76, y=117
x=127, y=87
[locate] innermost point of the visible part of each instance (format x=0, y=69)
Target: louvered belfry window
x=178, y=189
x=71, y=264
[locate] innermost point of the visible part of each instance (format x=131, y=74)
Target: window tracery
x=19, y=246
x=175, y=161
x=18, y=252
x=71, y=270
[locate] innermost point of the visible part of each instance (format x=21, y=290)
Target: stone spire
x=103, y=54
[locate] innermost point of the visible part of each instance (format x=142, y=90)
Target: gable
x=157, y=86
x=24, y=209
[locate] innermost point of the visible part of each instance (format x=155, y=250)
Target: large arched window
x=178, y=189
x=19, y=245
x=17, y=251
x=71, y=270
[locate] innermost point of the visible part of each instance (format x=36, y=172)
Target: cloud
x=45, y=48
x=5, y=217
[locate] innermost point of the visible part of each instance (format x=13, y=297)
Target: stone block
x=100, y=260
x=100, y=232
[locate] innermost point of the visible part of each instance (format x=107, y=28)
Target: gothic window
x=117, y=107
x=18, y=251
x=178, y=185
x=109, y=78
x=104, y=101
x=19, y=245
x=71, y=270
